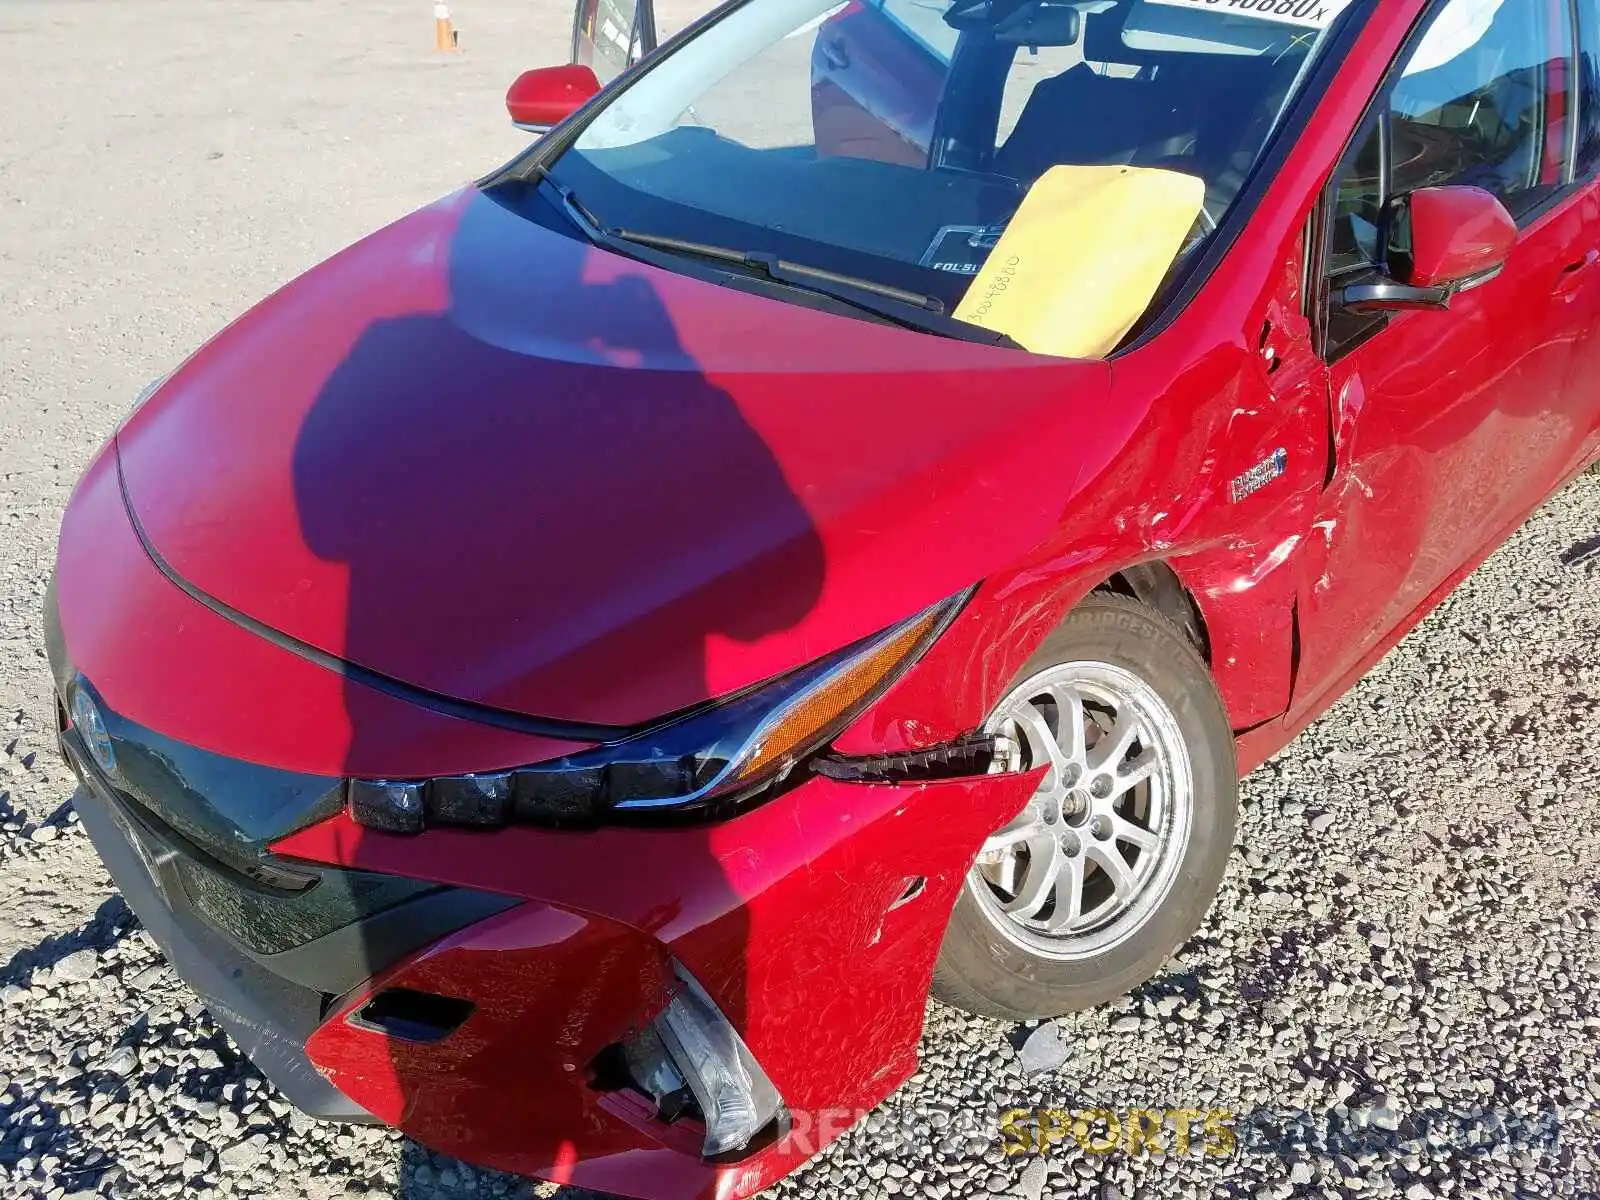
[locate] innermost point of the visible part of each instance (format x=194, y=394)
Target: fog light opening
x=691, y=1062
x=413, y=1016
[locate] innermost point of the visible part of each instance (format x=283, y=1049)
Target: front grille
x=269, y=923
x=304, y=905
x=266, y=942
x=203, y=823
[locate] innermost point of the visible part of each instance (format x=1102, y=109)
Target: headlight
x=705, y=762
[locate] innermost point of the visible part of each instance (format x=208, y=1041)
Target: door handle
x=836, y=55
x=1576, y=271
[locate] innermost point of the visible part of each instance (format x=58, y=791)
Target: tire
x=1014, y=965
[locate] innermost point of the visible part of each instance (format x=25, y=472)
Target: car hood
x=491, y=461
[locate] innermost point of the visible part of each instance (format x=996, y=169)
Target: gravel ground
x=1396, y=994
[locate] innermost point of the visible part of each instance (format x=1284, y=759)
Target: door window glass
x=1587, y=161
x=1358, y=206
x=608, y=37
x=1483, y=100
x=923, y=21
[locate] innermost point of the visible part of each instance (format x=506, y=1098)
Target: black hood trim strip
x=449, y=706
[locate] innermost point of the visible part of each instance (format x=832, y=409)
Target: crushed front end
x=676, y=1008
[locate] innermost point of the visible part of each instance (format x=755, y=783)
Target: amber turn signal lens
x=797, y=726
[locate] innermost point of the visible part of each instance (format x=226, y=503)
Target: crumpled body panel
x=794, y=917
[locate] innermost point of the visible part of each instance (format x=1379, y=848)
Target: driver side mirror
x=1442, y=240
x=546, y=96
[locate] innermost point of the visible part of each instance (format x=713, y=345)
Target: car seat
x=1083, y=117
x=1202, y=114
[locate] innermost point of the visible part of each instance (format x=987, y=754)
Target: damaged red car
x=831, y=521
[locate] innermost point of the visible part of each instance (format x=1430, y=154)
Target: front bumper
x=268, y=1017
x=811, y=922
x=269, y=1003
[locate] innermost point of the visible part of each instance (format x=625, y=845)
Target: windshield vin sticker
x=1312, y=14
x=961, y=249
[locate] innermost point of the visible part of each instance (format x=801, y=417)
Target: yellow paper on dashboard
x=1082, y=257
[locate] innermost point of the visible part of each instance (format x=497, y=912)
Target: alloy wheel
x=1096, y=850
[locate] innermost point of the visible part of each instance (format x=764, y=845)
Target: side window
x=1484, y=100
x=925, y=24
x=608, y=36
x=1588, y=89
x=1484, y=97
x=1358, y=205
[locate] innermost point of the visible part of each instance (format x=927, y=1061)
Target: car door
x=1447, y=426
x=1583, y=379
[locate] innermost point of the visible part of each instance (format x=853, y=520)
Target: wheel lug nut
x=1101, y=828
x=1100, y=787
x=1070, y=774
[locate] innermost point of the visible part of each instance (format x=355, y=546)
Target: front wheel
x=1120, y=852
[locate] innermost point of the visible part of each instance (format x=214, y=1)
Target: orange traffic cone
x=444, y=35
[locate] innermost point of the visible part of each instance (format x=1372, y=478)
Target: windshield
x=895, y=140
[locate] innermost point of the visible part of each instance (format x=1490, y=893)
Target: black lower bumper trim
x=267, y=1016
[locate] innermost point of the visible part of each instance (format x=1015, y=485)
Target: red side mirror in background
x=547, y=96
x=1459, y=235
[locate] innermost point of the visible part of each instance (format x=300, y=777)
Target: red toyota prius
x=569, y=675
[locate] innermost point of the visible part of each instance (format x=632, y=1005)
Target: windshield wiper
x=778, y=268
x=815, y=279
x=928, y=317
